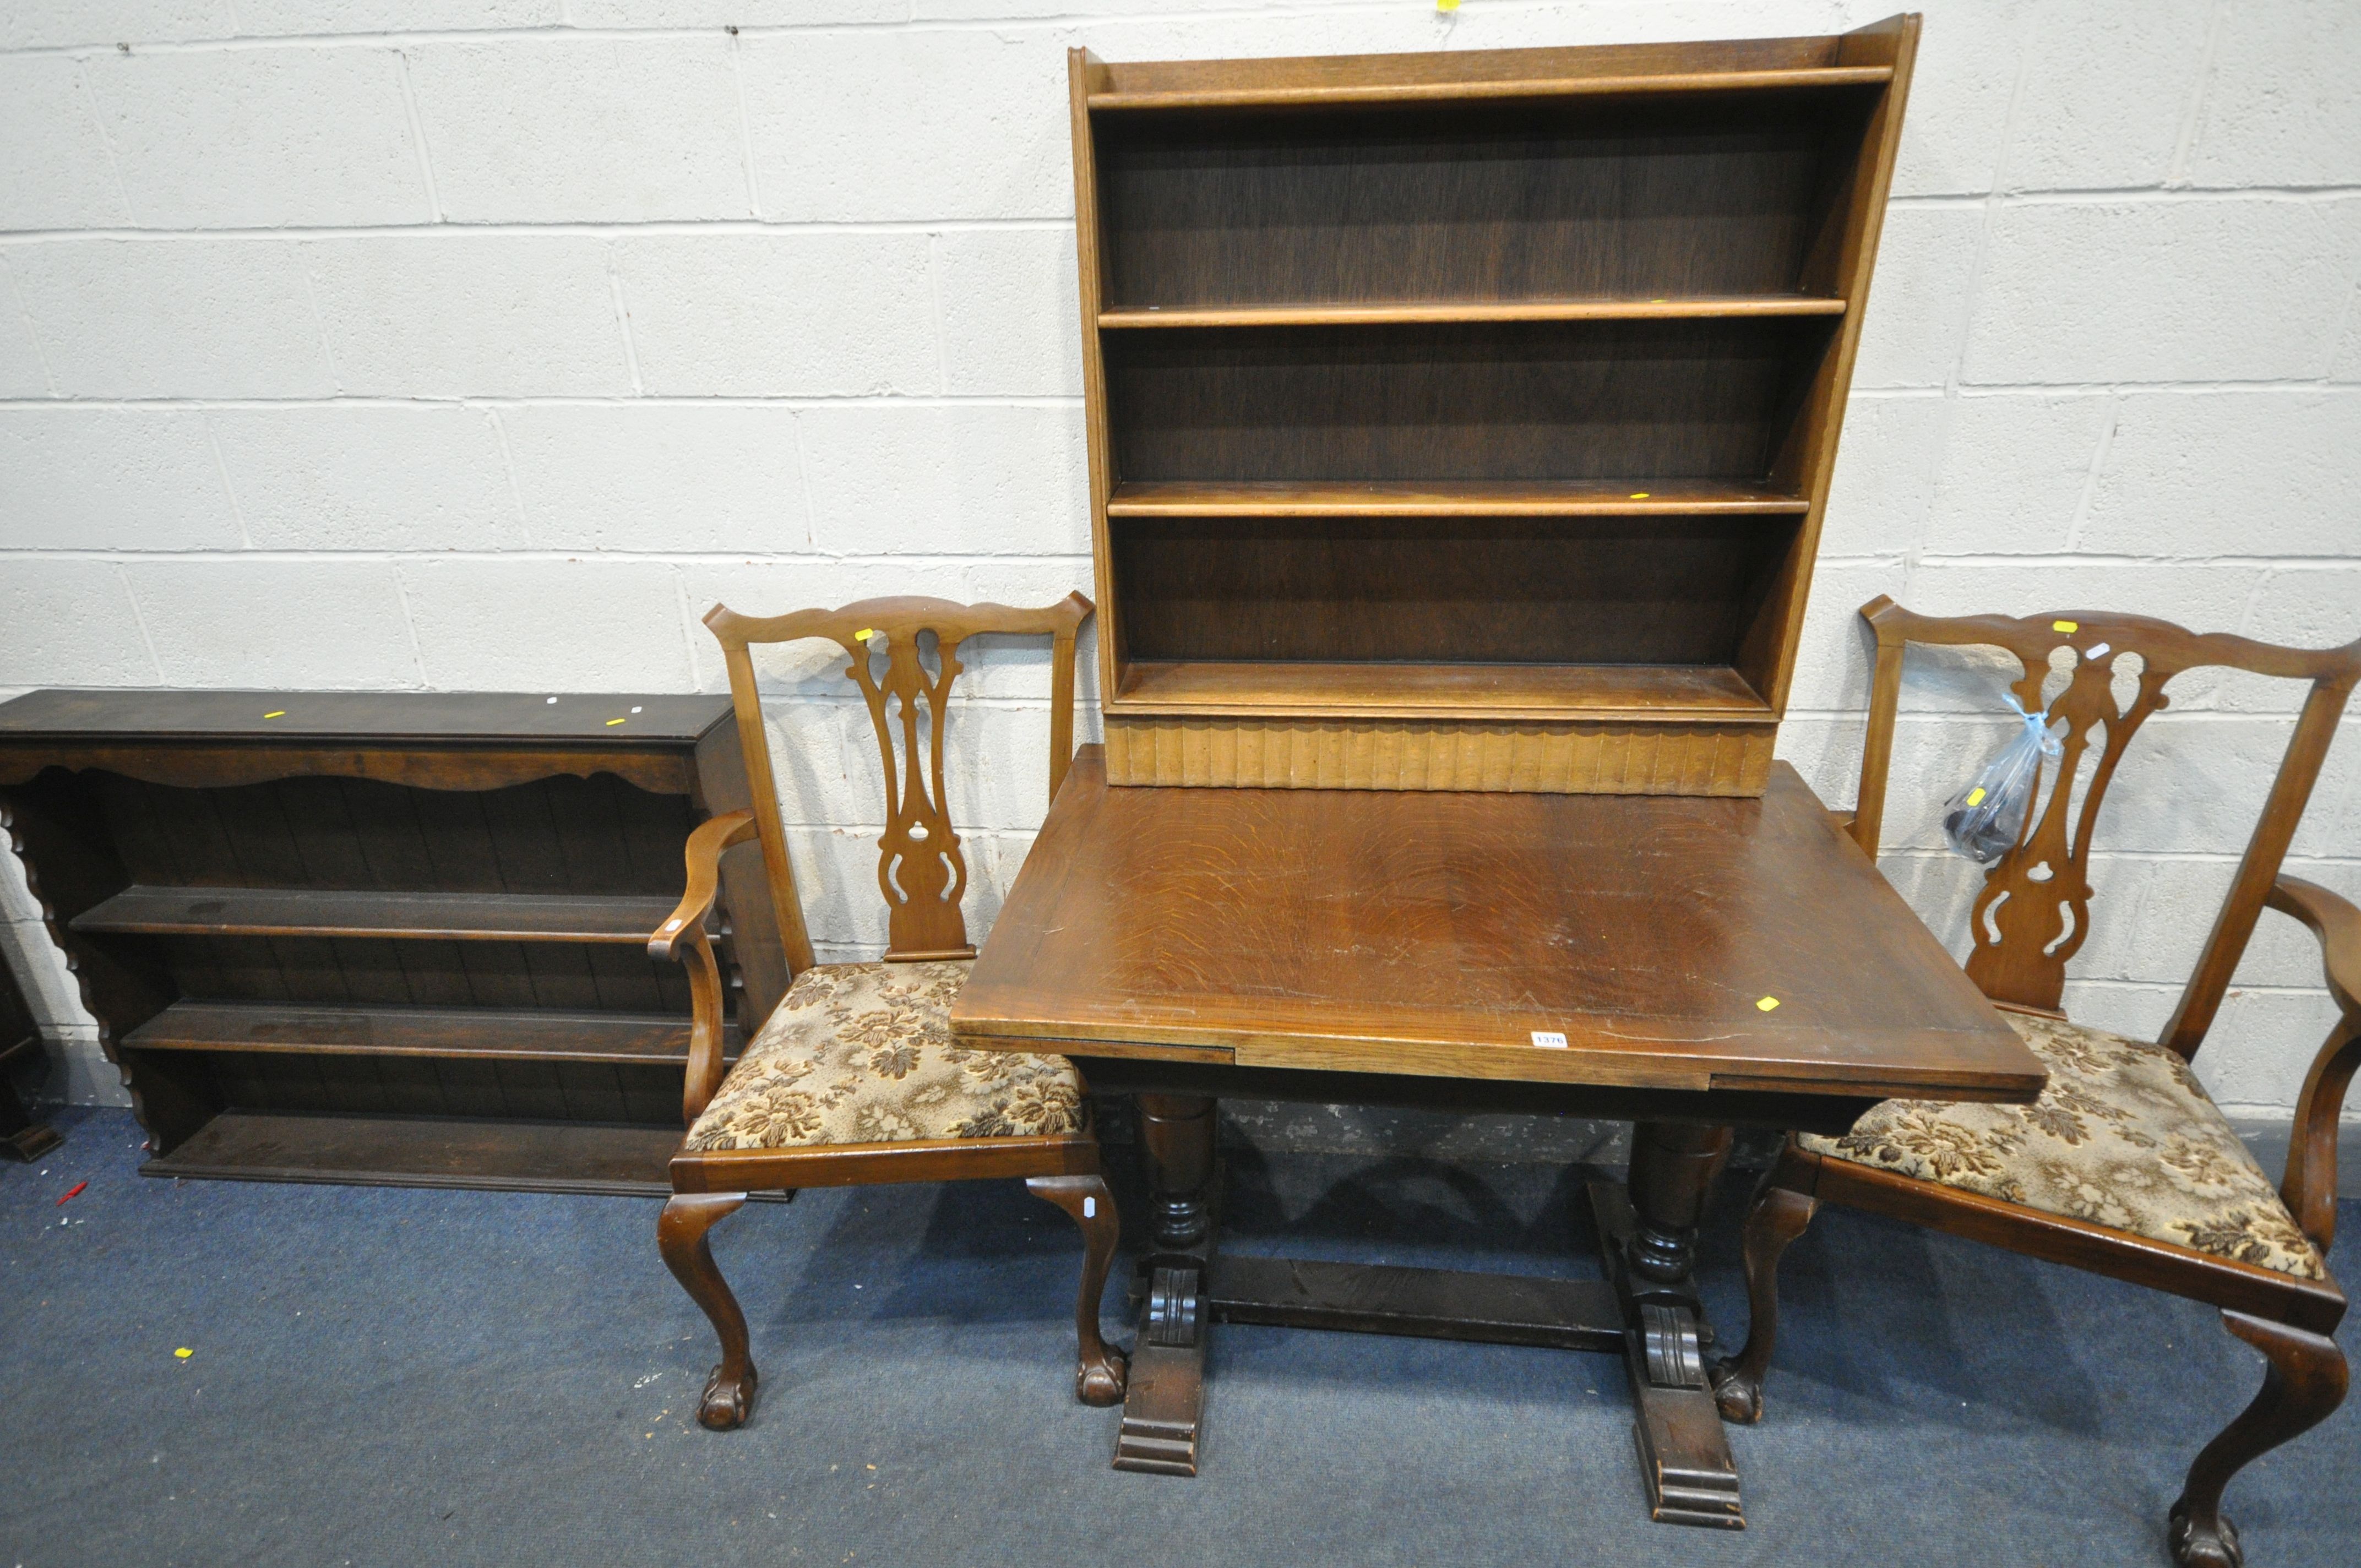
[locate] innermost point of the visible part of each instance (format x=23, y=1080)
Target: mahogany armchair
x=855, y=1078
x=2124, y=1166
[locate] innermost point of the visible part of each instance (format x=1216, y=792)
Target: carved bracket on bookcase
x=116, y=987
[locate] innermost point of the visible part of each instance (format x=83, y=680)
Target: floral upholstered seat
x=2123, y=1136
x=863, y=1054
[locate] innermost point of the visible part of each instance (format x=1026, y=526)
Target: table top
x=1456, y=935
x=304, y=717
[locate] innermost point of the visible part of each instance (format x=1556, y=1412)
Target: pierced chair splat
x=855, y=1079
x=2124, y=1166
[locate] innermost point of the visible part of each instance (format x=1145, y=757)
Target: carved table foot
x=1166, y=1397
x=1683, y=1454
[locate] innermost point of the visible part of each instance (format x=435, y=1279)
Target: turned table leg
x=1648, y=1231
x=1177, y=1133
x=1167, y=1392
x=1673, y=1168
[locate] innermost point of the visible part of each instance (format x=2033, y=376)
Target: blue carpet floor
x=423, y=1377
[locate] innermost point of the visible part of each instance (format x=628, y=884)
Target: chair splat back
x=2033, y=911
x=920, y=869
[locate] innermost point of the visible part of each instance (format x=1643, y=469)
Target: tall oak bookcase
x=1464, y=420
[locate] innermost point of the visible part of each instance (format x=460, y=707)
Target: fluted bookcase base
x=1529, y=758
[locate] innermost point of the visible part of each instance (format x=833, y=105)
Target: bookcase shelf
x=1542, y=400
x=1535, y=85
x=1465, y=420
x=1416, y=312
x=440, y=1033
x=1443, y=498
x=391, y=1149
x=1497, y=692
x=617, y=918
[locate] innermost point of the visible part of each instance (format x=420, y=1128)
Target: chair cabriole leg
x=1778, y=1217
x=1100, y=1370
x=2305, y=1381
x=680, y=1237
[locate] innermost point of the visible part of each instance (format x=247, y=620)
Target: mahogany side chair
x=2124, y=1166
x=855, y=1078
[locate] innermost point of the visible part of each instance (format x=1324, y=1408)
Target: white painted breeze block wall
x=483, y=346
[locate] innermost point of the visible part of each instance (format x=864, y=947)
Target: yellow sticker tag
x=1976, y=796
x=1640, y=495
x=864, y=634
x=184, y=1352
x=2068, y=626
x=1446, y=5
x=1767, y=1004
x=280, y=714
x=613, y=722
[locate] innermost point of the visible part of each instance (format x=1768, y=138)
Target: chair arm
x=684, y=928
x=2310, y=1187
x=704, y=856
x=2337, y=925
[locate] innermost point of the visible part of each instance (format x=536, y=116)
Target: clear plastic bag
x=1984, y=820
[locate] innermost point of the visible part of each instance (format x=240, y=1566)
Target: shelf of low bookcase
x=627, y=919
x=1624, y=693
x=1446, y=497
x=1429, y=311
x=513, y=1155
x=450, y=1032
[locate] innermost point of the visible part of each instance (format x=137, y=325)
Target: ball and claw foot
x=1101, y=1382
x=2193, y=1547
x=726, y=1404
x=1736, y=1394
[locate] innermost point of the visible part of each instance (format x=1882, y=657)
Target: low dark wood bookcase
x=386, y=938
x=1463, y=420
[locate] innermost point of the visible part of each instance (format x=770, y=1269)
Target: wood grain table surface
x=1457, y=935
